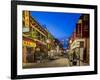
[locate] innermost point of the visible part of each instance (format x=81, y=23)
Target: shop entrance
x=30, y=55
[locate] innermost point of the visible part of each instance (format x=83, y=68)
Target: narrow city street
x=59, y=45
x=59, y=62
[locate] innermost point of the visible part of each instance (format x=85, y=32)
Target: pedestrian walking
x=74, y=58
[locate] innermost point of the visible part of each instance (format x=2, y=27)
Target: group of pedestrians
x=37, y=55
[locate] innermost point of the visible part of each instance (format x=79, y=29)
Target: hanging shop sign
x=29, y=43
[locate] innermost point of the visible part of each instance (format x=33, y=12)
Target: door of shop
x=30, y=56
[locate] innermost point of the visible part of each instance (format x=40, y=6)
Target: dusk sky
x=60, y=25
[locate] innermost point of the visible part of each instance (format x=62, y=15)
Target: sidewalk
x=61, y=62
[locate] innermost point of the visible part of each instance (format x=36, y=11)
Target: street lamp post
x=79, y=56
x=70, y=54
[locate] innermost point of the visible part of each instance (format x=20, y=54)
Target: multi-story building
x=34, y=36
x=79, y=41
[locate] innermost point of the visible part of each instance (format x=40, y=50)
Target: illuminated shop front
x=35, y=37
x=28, y=50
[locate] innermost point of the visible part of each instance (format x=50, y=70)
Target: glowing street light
x=48, y=41
x=70, y=41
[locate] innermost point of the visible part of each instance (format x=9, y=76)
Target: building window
x=38, y=35
x=43, y=38
x=81, y=44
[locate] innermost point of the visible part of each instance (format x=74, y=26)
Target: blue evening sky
x=60, y=25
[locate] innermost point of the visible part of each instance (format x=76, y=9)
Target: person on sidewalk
x=74, y=58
